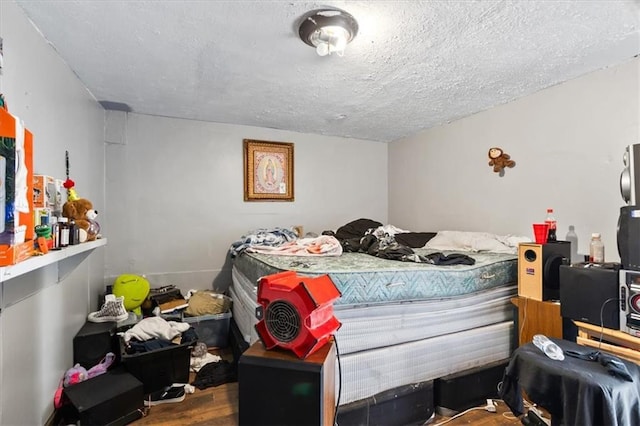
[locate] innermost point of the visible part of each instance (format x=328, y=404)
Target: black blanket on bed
x=357, y=236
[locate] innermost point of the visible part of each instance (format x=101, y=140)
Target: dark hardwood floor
x=218, y=406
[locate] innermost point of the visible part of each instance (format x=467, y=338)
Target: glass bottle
x=596, y=249
x=64, y=231
x=551, y=221
x=73, y=233
x=55, y=233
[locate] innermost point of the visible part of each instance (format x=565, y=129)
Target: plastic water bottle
x=549, y=348
x=596, y=249
x=572, y=237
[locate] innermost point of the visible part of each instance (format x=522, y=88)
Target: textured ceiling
x=413, y=64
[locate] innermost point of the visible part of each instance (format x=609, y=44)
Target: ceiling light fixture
x=328, y=30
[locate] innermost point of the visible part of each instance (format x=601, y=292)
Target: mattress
x=366, y=373
x=366, y=279
x=373, y=356
x=395, y=323
x=243, y=313
x=402, y=323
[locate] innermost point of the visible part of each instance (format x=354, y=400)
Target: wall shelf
x=13, y=289
x=36, y=262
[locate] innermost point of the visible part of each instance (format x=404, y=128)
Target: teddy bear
x=82, y=212
x=499, y=160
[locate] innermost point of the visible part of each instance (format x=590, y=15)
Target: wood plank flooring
x=218, y=406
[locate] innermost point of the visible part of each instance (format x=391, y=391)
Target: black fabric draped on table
x=574, y=391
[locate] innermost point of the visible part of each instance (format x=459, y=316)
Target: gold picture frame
x=268, y=170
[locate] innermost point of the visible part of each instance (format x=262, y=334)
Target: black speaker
x=539, y=269
x=628, y=237
x=93, y=341
x=479, y=383
x=404, y=405
x=630, y=176
x=113, y=398
x=585, y=292
x=276, y=388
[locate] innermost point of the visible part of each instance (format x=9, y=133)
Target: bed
x=403, y=323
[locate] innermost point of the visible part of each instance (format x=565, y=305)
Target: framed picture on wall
x=268, y=171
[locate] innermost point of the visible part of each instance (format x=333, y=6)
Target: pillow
x=450, y=240
x=475, y=242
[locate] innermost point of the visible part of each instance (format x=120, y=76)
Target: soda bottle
x=551, y=221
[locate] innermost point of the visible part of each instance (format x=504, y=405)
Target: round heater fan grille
x=282, y=321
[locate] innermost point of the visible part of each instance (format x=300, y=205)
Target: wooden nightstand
x=537, y=317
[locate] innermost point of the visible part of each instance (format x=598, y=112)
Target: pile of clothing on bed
x=383, y=241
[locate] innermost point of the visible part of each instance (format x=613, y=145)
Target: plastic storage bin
x=212, y=329
x=161, y=367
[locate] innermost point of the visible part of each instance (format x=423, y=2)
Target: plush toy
x=75, y=374
x=82, y=212
x=499, y=160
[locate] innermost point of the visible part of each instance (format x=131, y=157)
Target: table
x=574, y=391
x=614, y=341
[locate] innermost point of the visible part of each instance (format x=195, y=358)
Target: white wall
x=567, y=141
x=36, y=333
x=175, y=194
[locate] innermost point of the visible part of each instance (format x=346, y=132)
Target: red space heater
x=295, y=312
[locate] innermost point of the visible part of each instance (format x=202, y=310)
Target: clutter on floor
x=112, y=310
x=166, y=395
x=154, y=344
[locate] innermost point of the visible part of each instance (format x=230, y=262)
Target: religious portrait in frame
x=268, y=171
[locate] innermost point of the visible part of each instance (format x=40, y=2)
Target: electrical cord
x=335, y=413
x=524, y=318
x=602, y=318
x=490, y=407
x=462, y=413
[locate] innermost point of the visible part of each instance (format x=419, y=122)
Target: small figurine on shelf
x=71, y=191
x=68, y=184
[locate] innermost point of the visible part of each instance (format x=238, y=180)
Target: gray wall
x=175, y=194
x=567, y=141
x=36, y=333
